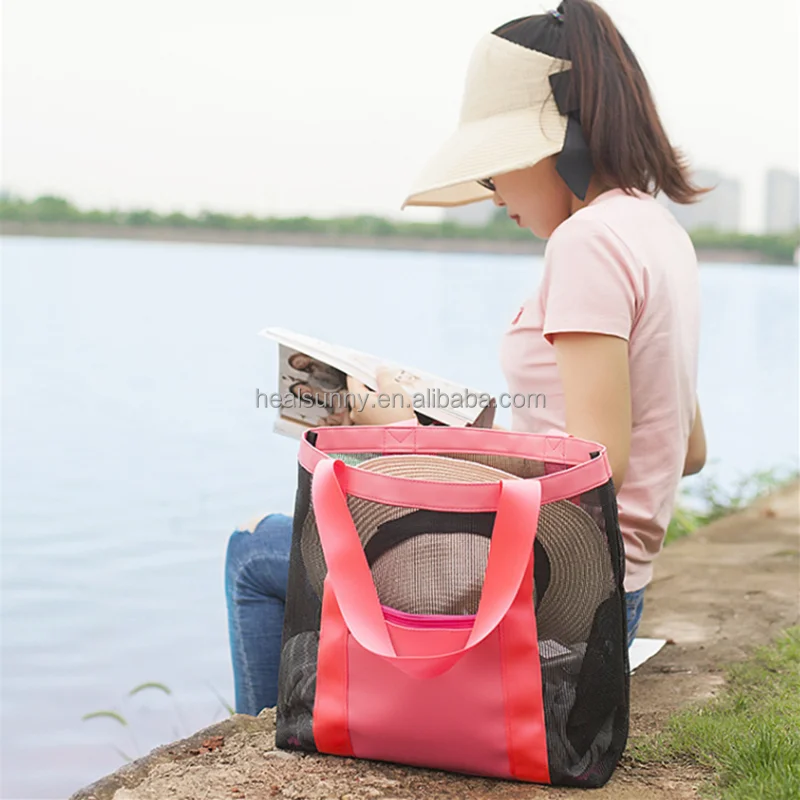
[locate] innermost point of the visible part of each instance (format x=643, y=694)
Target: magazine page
x=351, y=362
x=313, y=386
x=443, y=400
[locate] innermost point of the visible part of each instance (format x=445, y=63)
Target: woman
x=558, y=126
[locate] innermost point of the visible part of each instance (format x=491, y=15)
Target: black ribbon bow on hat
x=574, y=162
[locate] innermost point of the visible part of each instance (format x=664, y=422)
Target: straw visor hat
x=426, y=562
x=515, y=111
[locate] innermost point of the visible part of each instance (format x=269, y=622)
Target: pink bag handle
x=350, y=579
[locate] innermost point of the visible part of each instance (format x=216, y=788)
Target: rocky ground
x=717, y=594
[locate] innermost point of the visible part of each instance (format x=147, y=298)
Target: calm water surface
x=132, y=446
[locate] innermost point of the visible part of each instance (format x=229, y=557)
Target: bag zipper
x=428, y=620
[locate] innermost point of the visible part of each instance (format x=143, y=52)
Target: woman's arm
x=594, y=373
x=696, y=450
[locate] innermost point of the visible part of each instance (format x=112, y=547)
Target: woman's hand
x=336, y=418
x=389, y=404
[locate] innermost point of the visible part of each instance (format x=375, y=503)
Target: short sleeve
x=590, y=282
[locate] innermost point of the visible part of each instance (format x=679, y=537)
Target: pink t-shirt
x=621, y=266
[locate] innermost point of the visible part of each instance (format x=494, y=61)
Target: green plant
x=225, y=704
x=118, y=717
x=709, y=500
x=122, y=720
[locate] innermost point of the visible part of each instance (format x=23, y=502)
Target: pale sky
x=283, y=108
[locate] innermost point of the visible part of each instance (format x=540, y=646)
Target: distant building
x=475, y=214
x=782, y=199
x=720, y=209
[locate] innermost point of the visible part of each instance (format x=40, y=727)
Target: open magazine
x=313, y=392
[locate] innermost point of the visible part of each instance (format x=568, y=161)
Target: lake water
x=132, y=446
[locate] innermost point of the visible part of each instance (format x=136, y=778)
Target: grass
x=708, y=500
x=120, y=718
x=749, y=737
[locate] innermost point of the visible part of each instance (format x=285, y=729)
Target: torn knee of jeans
x=252, y=523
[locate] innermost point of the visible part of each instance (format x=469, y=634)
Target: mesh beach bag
x=455, y=601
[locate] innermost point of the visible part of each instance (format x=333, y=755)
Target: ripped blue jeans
x=256, y=572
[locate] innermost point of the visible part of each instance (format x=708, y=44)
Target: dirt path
x=716, y=595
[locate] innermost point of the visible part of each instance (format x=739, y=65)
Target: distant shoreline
x=149, y=233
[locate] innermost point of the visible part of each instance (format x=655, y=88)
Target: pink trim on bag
x=442, y=496
x=329, y=717
x=522, y=685
x=412, y=438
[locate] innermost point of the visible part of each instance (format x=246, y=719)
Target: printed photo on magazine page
x=315, y=393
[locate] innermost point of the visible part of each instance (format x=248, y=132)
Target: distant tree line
x=56, y=209
x=779, y=248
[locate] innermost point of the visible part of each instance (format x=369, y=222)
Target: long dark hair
x=627, y=142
